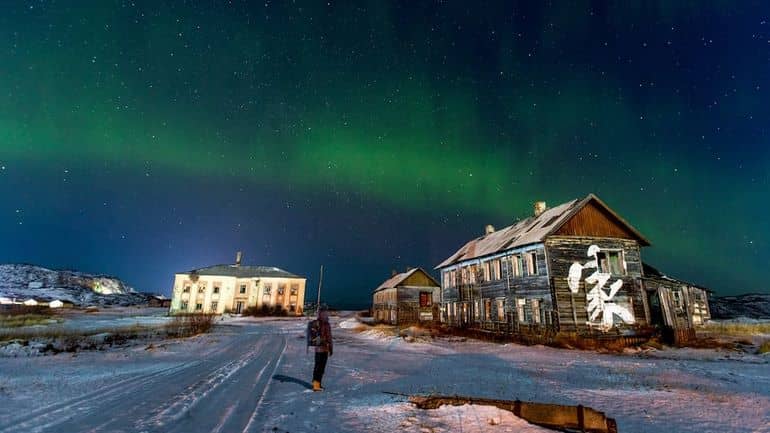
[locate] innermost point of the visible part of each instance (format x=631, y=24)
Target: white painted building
x=234, y=288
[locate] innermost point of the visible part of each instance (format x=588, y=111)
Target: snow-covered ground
x=252, y=375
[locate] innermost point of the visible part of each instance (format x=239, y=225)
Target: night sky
x=140, y=139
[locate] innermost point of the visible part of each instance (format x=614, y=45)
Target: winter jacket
x=327, y=344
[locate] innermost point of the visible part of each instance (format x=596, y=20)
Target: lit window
x=426, y=299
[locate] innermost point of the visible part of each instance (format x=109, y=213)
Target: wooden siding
x=508, y=288
x=419, y=278
x=592, y=220
x=678, y=305
x=563, y=251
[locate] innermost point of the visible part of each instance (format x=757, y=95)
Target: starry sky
x=144, y=138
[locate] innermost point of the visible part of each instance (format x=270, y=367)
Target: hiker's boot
x=317, y=386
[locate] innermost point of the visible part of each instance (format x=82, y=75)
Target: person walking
x=323, y=350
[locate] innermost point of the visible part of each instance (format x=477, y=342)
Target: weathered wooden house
x=573, y=268
x=675, y=305
x=406, y=298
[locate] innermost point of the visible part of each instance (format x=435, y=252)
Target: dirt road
x=220, y=391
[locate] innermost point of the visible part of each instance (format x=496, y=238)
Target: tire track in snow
x=51, y=415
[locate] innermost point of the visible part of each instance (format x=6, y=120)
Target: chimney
x=238, y=257
x=489, y=229
x=539, y=208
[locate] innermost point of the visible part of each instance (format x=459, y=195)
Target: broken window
x=500, y=309
x=214, y=306
x=520, y=310
x=186, y=289
x=201, y=287
x=281, y=288
x=495, y=271
x=294, y=289
x=611, y=262
x=266, y=288
x=487, y=309
x=535, y=305
x=531, y=263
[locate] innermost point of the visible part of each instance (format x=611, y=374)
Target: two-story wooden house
x=573, y=268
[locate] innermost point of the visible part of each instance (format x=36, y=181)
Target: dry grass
x=29, y=319
x=764, y=347
x=187, y=325
x=733, y=329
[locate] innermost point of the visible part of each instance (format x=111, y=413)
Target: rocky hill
x=24, y=281
x=752, y=306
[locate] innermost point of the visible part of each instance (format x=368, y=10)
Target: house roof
x=243, y=271
x=531, y=230
x=398, y=279
x=652, y=273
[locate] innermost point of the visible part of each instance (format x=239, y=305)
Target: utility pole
x=320, y=280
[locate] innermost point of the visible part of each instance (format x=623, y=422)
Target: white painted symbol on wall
x=599, y=305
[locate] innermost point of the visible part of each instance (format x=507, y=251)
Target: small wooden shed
x=410, y=297
x=675, y=305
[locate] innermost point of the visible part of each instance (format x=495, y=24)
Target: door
x=238, y=307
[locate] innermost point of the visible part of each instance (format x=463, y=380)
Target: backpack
x=314, y=333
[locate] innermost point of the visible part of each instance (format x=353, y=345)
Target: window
x=452, y=278
x=183, y=305
x=477, y=309
x=294, y=289
x=677, y=295
x=516, y=266
x=487, y=309
x=531, y=263
x=292, y=308
x=198, y=307
x=473, y=270
x=214, y=306
x=267, y=288
x=186, y=289
x=611, y=262
x=535, y=304
x=281, y=288
x=500, y=309
x=495, y=269
x=216, y=289
x=242, y=289
x=201, y=287
x=520, y=310
x=426, y=299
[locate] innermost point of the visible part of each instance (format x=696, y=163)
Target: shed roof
x=399, y=279
x=531, y=230
x=243, y=271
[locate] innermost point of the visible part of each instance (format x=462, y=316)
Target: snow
x=254, y=375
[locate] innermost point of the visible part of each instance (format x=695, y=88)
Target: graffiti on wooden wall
x=602, y=311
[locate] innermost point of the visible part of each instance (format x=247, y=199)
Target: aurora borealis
x=146, y=138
